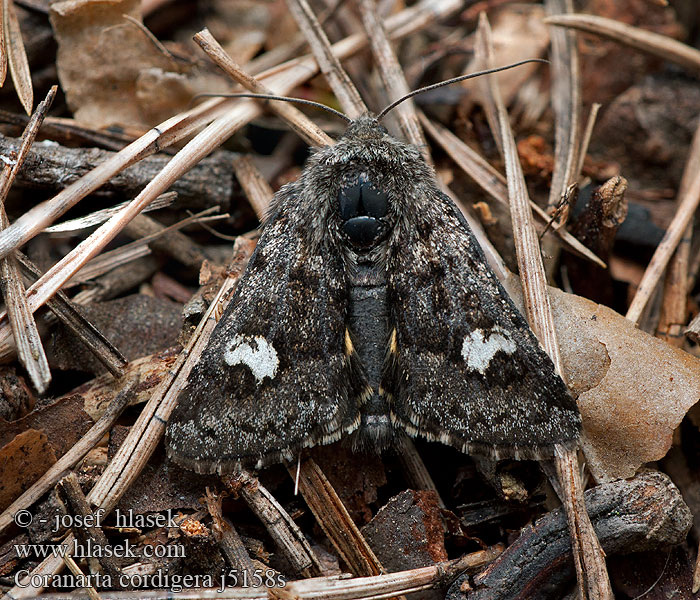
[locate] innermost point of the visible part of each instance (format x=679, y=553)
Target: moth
x=368, y=309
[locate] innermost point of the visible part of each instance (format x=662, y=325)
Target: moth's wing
x=463, y=366
x=275, y=377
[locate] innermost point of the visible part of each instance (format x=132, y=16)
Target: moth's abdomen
x=368, y=324
x=363, y=209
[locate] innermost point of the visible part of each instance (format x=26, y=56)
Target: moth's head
x=366, y=127
x=366, y=179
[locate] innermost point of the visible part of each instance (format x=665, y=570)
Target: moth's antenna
x=428, y=88
x=337, y=113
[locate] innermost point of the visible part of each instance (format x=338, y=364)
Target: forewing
x=464, y=368
x=275, y=377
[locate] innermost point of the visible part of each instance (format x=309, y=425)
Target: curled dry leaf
x=633, y=389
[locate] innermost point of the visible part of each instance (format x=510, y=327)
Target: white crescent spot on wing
x=256, y=353
x=478, y=349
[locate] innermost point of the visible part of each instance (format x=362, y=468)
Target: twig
x=588, y=556
x=298, y=121
x=230, y=542
x=27, y=339
x=334, y=519
x=586, y=138
x=383, y=586
x=77, y=502
x=674, y=310
x=688, y=201
x=328, y=63
x=255, y=186
x=75, y=569
x=70, y=458
x=169, y=240
x=281, y=527
x=647, y=41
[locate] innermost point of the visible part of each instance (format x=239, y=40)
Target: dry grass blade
x=566, y=102
x=493, y=183
x=673, y=315
x=688, y=201
x=307, y=129
x=586, y=137
x=75, y=569
x=3, y=46
x=27, y=339
x=647, y=41
x=334, y=519
x=337, y=78
x=17, y=57
x=589, y=561
x=100, y=216
x=392, y=76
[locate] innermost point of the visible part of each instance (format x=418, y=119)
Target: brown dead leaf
x=100, y=57
x=22, y=462
x=633, y=389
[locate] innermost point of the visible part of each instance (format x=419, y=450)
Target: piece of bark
x=51, y=167
x=138, y=325
x=645, y=136
x=644, y=513
x=357, y=488
x=96, y=395
x=596, y=227
x=63, y=421
x=16, y=399
x=22, y=462
x=407, y=533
